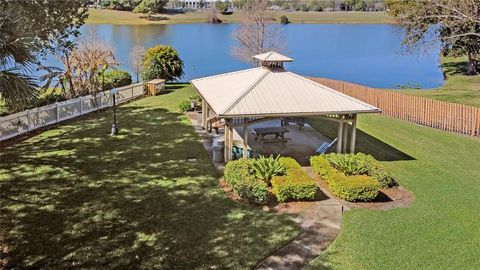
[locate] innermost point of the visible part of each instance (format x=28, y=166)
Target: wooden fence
x=433, y=113
x=22, y=122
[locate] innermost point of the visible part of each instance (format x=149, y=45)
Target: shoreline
x=116, y=17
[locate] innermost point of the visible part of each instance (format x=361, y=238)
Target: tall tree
x=257, y=32
x=33, y=28
x=456, y=22
x=136, y=60
x=16, y=58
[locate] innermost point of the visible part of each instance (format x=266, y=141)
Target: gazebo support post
x=345, y=137
x=354, y=134
x=204, y=114
x=228, y=140
x=340, y=135
x=245, y=138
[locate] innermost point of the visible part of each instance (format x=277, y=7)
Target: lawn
x=105, y=16
x=74, y=196
x=441, y=229
x=458, y=87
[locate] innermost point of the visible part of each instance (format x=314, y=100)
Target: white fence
x=22, y=122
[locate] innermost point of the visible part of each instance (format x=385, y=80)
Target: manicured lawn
x=458, y=87
x=74, y=196
x=104, y=16
x=441, y=229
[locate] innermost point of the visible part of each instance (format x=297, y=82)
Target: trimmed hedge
x=358, y=164
x=116, y=78
x=238, y=176
x=295, y=184
x=354, y=187
x=349, y=188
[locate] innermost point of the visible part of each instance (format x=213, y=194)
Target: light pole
x=114, y=91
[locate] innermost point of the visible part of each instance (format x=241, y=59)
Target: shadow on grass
x=77, y=197
x=365, y=142
x=455, y=68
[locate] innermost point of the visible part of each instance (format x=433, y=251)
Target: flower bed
x=253, y=179
x=352, y=177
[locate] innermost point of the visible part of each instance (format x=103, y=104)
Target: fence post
x=81, y=105
x=57, y=111
x=132, y=91
x=28, y=119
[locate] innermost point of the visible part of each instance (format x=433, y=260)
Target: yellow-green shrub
x=354, y=188
x=349, y=188
x=238, y=176
x=295, y=184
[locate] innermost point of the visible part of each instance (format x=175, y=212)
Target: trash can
x=218, y=148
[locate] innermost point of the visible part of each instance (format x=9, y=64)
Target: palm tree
x=17, y=88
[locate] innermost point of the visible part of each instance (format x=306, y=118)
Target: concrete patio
x=301, y=144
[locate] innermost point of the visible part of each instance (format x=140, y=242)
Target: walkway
x=320, y=220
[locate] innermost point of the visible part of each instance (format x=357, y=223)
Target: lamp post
x=114, y=91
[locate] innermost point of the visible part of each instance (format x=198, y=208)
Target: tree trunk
x=472, y=65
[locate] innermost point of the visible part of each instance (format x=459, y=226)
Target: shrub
x=162, y=62
x=295, y=185
x=150, y=6
x=322, y=167
x=284, y=19
x=349, y=164
x=116, y=78
x=238, y=176
x=354, y=188
x=349, y=188
x=185, y=105
x=221, y=6
x=264, y=168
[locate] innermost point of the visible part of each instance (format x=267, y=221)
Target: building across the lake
x=194, y=4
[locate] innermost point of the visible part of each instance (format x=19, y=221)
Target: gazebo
x=249, y=96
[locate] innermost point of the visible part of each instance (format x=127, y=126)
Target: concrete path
x=321, y=221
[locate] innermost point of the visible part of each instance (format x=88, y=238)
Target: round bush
x=162, y=62
x=116, y=78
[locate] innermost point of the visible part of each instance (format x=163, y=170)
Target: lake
x=361, y=53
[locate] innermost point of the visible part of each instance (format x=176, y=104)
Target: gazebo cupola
x=272, y=60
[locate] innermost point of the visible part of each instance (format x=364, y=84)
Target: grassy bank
x=458, y=87
x=75, y=197
x=104, y=16
x=440, y=229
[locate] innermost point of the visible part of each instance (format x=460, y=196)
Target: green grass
x=74, y=196
x=105, y=16
x=441, y=229
x=458, y=87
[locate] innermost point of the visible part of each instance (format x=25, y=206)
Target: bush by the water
x=284, y=19
x=238, y=176
x=116, y=78
x=294, y=184
x=349, y=188
x=162, y=62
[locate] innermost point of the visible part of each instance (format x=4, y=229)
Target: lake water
x=366, y=54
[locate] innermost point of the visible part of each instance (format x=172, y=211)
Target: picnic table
x=279, y=133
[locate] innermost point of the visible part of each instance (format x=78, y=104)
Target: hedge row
x=349, y=188
x=295, y=184
x=238, y=176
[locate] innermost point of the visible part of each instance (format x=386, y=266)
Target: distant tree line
x=321, y=5
x=139, y=6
